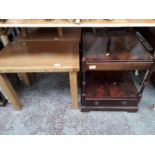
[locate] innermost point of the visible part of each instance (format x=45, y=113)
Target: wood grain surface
x=20, y=57
x=84, y=22
x=106, y=84
x=116, y=46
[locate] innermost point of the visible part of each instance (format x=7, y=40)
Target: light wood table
x=21, y=57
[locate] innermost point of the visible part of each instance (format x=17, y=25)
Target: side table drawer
x=116, y=66
x=112, y=102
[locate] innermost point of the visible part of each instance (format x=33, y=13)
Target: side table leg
x=10, y=92
x=74, y=89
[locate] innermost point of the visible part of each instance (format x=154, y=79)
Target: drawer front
x=111, y=102
x=116, y=66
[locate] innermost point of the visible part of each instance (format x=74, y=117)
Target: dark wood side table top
x=114, y=47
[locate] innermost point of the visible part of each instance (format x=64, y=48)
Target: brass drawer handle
x=96, y=103
x=124, y=102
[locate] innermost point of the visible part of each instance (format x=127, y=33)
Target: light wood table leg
x=10, y=92
x=4, y=39
x=26, y=78
x=154, y=107
x=60, y=31
x=74, y=89
x=24, y=32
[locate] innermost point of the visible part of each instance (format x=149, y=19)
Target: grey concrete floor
x=47, y=110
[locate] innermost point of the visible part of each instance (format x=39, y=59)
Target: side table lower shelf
x=106, y=90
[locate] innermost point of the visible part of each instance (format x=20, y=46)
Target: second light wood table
x=19, y=57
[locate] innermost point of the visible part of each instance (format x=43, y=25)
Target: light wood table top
x=53, y=57
x=71, y=23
